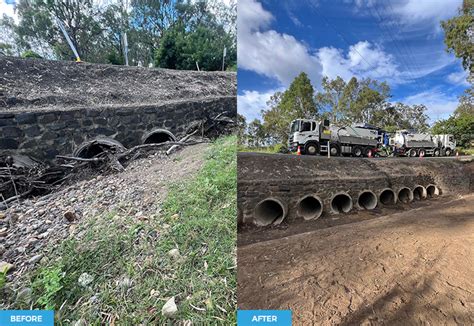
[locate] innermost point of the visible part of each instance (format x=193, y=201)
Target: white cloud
x=439, y=104
x=362, y=60
x=251, y=103
x=421, y=11
x=269, y=53
x=459, y=78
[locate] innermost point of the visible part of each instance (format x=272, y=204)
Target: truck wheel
x=422, y=152
x=412, y=153
x=335, y=150
x=311, y=148
x=447, y=152
x=357, y=151
x=436, y=152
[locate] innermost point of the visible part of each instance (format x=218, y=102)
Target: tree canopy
x=172, y=34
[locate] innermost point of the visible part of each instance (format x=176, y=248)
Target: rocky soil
x=32, y=84
x=29, y=227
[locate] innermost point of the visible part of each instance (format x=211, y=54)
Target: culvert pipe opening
x=387, y=197
x=405, y=195
x=268, y=211
x=432, y=191
x=310, y=207
x=341, y=203
x=419, y=193
x=367, y=200
x=158, y=136
x=93, y=147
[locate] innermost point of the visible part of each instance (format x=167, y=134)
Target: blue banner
x=264, y=317
x=26, y=317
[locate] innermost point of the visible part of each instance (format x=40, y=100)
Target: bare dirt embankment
x=42, y=84
x=408, y=268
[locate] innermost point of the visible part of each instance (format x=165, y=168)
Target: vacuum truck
x=414, y=144
x=315, y=137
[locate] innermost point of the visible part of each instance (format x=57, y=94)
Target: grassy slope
x=132, y=273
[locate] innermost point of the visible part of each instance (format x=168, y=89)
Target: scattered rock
x=174, y=253
x=33, y=260
x=125, y=283
x=80, y=322
x=170, y=309
x=24, y=296
x=85, y=279
x=6, y=267
x=70, y=216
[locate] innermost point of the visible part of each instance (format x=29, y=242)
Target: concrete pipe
x=405, y=195
x=432, y=191
x=157, y=136
x=387, y=197
x=341, y=203
x=270, y=211
x=419, y=193
x=98, y=145
x=367, y=200
x=310, y=207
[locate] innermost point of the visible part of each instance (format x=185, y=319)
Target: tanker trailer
x=413, y=144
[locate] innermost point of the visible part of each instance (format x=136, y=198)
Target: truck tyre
x=357, y=151
x=447, y=152
x=335, y=150
x=311, y=148
x=436, y=152
x=412, y=152
x=422, y=152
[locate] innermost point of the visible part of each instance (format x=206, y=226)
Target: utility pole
x=224, y=53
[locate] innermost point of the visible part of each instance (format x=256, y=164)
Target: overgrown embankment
x=122, y=268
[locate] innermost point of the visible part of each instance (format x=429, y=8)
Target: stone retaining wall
x=46, y=133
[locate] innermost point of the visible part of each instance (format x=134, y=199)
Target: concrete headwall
x=46, y=133
x=289, y=178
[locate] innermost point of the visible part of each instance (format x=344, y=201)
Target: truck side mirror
x=326, y=122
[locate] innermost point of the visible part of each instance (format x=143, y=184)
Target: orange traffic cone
x=298, y=152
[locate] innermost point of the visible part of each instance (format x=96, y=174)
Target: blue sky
x=399, y=41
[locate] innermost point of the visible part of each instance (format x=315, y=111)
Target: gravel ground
x=29, y=227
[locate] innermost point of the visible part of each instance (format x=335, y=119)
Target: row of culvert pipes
x=274, y=210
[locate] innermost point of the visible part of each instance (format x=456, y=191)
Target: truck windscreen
x=294, y=126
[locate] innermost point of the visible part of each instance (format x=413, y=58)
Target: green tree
x=352, y=102
x=459, y=35
x=241, y=129
x=461, y=122
x=256, y=133
x=295, y=103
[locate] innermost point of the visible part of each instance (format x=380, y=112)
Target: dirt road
x=406, y=268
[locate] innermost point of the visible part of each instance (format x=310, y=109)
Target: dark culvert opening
x=341, y=203
x=419, y=193
x=432, y=191
x=404, y=195
x=367, y=200
x=310, y=207
x=387, y=197
x=92, y=148
x=158, y=136
x=269, y=211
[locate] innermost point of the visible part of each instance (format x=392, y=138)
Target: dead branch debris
x=22, y=176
